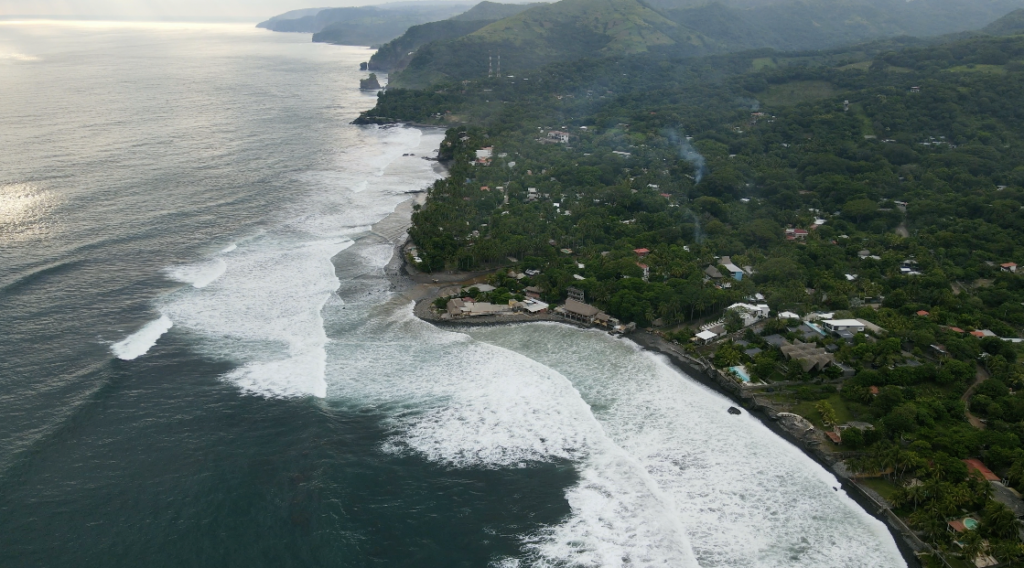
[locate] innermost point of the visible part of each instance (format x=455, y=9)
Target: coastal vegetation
x=881, y=182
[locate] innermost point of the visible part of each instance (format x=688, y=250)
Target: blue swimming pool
x=741, y=372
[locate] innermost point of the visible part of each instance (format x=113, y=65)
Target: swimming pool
x=741, y=372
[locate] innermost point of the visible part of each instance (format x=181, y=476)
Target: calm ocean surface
x=202, y=364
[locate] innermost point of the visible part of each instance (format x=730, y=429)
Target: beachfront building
x=705, y=337
x=751, y=313
x=467, y=307
x=578, y=311
x=532, y=307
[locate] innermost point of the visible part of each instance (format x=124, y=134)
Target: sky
x=211, y=10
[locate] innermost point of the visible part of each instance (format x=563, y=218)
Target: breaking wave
x=139, y=343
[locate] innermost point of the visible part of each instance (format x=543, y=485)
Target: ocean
x=203, y=361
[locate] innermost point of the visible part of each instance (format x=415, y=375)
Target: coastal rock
x=370, y=83
x=734, y=410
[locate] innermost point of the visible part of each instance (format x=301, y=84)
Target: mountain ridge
x=573, y=29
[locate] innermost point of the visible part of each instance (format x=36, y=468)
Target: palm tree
x=1016, y=472
x=972, y=545
x=999, y=521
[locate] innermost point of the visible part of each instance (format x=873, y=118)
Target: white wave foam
x=463, y=403
x=264, y=312
x=261, y=305
x=199, y=275
x=229, y=248
x=744, y=497
x=139, y=343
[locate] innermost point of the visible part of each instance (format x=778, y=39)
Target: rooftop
x=580, y=308
x=843, y=323
x=976, y=465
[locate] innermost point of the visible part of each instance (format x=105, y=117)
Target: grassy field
x=763, y=63
x=866, y=127
x=880, y=485
x=994, y=69
x=862, y=65
x=797, y=92
x=807, y=409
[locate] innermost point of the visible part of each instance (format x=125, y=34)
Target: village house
x=1008, y=267
x=532, y=307
x=483, y=156
x=559, y=136
x=837, y=327
x=704, y=337
x=646, y=269
x=750, y=313
x=733, y=270
x=533, y=292
x=810, y=356
x=796, y=234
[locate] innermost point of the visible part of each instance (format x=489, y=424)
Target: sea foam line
x=139, y=343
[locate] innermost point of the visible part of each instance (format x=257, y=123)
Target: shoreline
x=422, y=288
x=650, y=342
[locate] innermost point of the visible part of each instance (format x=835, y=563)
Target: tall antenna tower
x=498, y=74
x=490, y=66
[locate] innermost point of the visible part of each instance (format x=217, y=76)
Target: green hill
x=1010, y=24
x=492, y=11
x=574, y=29
x=396, y=54
x=570, y=29
x=370, y=25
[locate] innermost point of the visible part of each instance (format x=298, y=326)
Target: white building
x=839, y=326
x=705, y=337
x=750, y=313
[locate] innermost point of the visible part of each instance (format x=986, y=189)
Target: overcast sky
x=242, y=10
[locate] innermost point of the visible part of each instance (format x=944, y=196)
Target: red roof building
x=873, y=390
x=957, y=525
x=641, y=252
x=923, y=313
x=977, y=334
x=976, y=465
x=956, y=329
x=835, y=437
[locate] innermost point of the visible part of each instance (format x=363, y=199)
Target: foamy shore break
x=423, y=289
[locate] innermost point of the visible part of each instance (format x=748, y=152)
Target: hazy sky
x=246, y=10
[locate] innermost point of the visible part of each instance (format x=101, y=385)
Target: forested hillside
x=571, y=29
x=396, y=54
x=882, y=182
x=364, y=25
